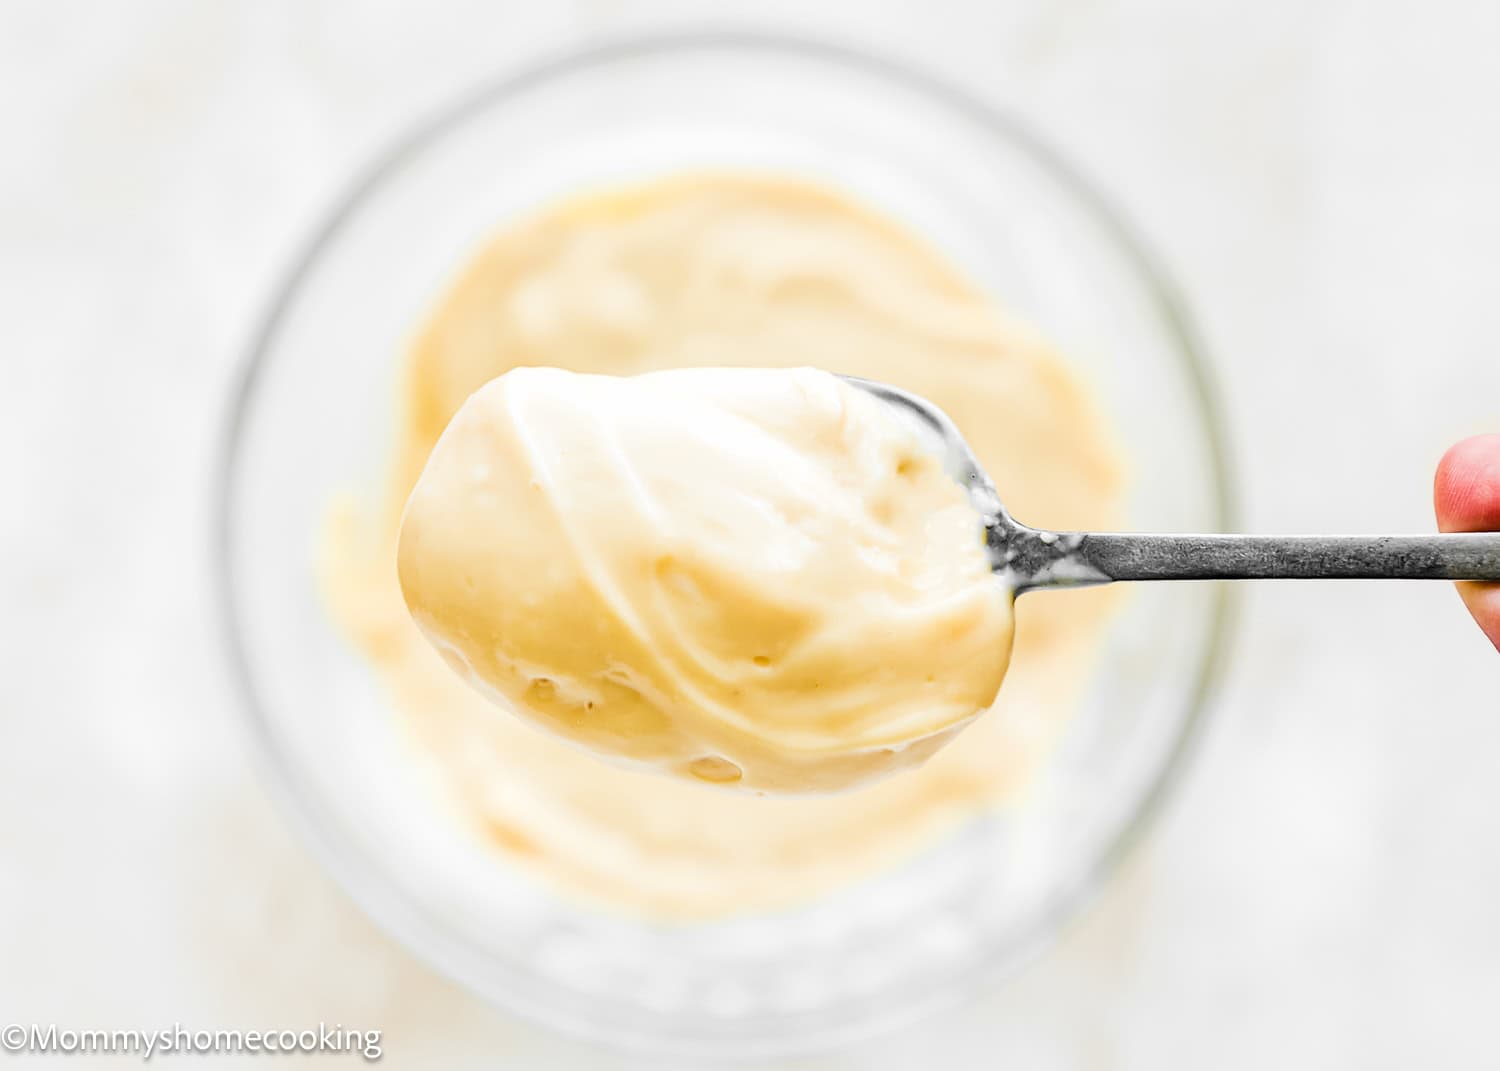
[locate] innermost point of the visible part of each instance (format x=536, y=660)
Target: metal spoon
x=1036, y=558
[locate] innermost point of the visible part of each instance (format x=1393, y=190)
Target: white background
x=1323, y=177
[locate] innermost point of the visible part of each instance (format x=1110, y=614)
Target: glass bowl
x=314, y=415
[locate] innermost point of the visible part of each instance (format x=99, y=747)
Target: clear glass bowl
x=314, y=417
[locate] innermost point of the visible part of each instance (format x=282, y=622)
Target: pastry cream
x=732, y=271
x=744, y=576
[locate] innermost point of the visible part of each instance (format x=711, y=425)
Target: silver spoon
x=1036, y=558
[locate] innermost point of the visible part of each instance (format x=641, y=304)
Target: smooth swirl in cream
x=744, y=576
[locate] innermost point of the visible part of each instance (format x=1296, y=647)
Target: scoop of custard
x=744, y=576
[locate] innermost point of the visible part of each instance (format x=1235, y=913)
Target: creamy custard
x=733, y=271
x=750, y=577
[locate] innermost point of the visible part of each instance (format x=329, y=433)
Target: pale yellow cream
x=735, y=271
x=748, y=577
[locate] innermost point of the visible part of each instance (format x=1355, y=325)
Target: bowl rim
x=361, y=882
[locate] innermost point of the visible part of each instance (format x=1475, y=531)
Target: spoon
x=1031, y=558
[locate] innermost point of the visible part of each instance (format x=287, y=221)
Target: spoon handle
x=1104, y=556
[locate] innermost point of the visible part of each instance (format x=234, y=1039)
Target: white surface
x=1323, y=178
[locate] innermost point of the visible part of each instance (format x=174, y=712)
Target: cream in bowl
x=723, y=271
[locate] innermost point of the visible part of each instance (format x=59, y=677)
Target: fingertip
x=1466, y=490
x=1483, y=601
